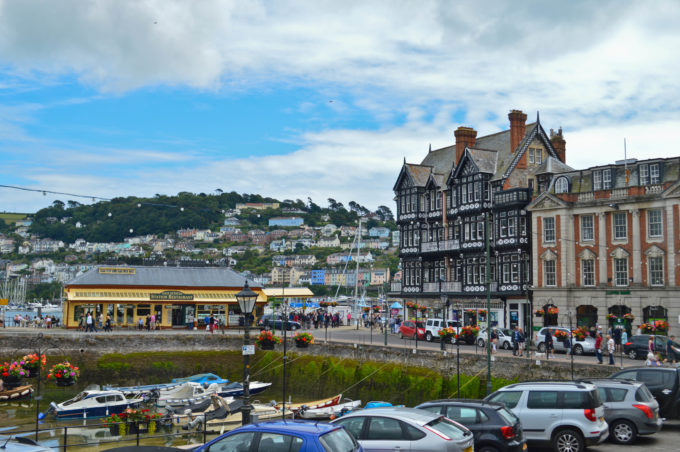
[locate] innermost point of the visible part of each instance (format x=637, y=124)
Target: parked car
x=494, y=427
x=288, y=435
x=407, y=329
x=629, y=409
x=662, y=382
x=267, y=321
x=587, y=345
x=432, y=327
x=504, y=338
x=637, y=347
x=389, y=429
x=565, y=415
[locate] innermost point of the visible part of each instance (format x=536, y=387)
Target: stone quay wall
x=67, y=343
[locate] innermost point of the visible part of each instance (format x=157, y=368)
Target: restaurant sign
x=171, y=295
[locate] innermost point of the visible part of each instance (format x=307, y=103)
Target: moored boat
x=329, y=412
x=20, y=392
x=93, y=403
x=235, y=389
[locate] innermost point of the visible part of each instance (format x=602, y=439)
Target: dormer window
x=562, y=185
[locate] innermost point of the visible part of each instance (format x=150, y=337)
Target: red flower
x=5, y=374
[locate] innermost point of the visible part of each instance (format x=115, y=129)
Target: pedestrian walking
x=611, y=348
x=548, y=342
x=212, y=323
x=494, y=340
x=624, y=337
x=617, y=338
x=89, y=321
x=515, y=341
x=107, y=324
x=153, y=322
x=671, y=350
x=522, y=341
x=349, y=318
x=598, y=348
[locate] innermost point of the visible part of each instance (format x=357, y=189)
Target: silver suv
x=587, y=345
x=566, y=415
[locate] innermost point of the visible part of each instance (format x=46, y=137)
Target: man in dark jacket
x=548, y=343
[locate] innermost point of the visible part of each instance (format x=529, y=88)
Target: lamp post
x=458, y=351
x=488, y=304
x=445, y=302
x=571, y=345
x=246, y=301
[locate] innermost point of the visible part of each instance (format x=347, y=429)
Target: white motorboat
x=329, y=412
x=181, y=395
x=93, y=403
x=235, y=389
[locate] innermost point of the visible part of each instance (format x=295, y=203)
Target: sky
x=318, y=99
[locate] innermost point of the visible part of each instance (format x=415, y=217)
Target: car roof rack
x=548, y=382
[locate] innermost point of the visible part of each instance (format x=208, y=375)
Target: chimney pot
x=465, y=137
x=518, y=127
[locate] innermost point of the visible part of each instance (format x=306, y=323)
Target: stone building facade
x=605, y=244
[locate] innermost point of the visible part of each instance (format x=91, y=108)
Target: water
x=10, y=313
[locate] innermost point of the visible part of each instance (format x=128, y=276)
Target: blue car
x=203, y=379
x=288, y=436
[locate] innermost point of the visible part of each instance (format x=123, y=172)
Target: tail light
x=645, y=409
x=590, y=414
x=508, y=432
x=628, y=343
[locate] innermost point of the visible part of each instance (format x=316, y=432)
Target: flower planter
x=300, y=344
x=65, y=381
x=131, y=428
x=32, y=372
x=269, y=346
x=11, y=382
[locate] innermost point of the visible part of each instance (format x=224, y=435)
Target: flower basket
x=303, y=340
x=471, y=311
x=628, y=316
x=132, y=421
x=410, y=304
x=447, y=334
x=553, y=311
x=422, y=309
x=334, y=303
x=579, y=333
x=481, y=312
x=539, y=312
x=366, y=309
x=64, y=374
x=611, y=317
x=266, y=340
x=12, y=373
x=469, y=332
x=324, y=304
x=561, y=336
x=31, y=363
x=647, y=328
x=376, y=308
x=661, y=326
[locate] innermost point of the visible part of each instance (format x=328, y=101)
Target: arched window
x=562, y=185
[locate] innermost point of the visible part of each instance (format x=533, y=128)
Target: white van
x=432, y=327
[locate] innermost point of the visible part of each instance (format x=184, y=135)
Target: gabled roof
x=162, y=277
x=417, y=174
x=441, y=160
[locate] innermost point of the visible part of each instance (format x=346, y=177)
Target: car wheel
x=568, y=441
x=632, y=354
x=428, y=336
x=578, y=350
x=541, y=347
x=622, y=432
x=480, y=342
x=487, y=449
x=506, y=345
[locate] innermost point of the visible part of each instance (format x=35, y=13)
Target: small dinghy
x=93, y=403
x=20, y=392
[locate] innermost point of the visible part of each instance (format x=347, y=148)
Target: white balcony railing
x=395, y=287
x=447, y=245
x=619, y=193
x=429, y=246
x=431, y=287
x=588, y=196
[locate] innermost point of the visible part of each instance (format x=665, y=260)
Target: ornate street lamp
x=246, y=301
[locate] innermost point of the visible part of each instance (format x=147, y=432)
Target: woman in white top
x=611, y=346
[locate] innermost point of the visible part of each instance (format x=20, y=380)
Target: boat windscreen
x=77, y=398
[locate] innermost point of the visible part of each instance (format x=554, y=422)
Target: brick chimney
x=518, y=127
x=465, y=137
x=559, y=144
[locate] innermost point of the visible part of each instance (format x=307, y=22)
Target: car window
x=542, y=399
x=643, y=394
x=420, y=324
x=616, y=394
x=628, y=375
x=462, y=414
x=239, y=442
x=436, y=409
x=508, y=398
x=447, y=428
x=353, y=425
x=575, y=400
x=603, y=394
x=651, y=378
x=384, y=428
x=508, y=416
x=412, y=433
x=338, y=441
x=277, y=442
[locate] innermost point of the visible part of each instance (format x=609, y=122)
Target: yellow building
x=175, y=295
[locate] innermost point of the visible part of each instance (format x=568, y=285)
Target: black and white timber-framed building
x=442, y=208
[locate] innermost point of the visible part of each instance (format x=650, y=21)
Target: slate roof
x=553, y=166
x=441, y=160
x=419, y=173
x=165, y=277
x=485, y=160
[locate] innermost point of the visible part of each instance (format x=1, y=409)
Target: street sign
x=248, y=349
x=4, y=301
